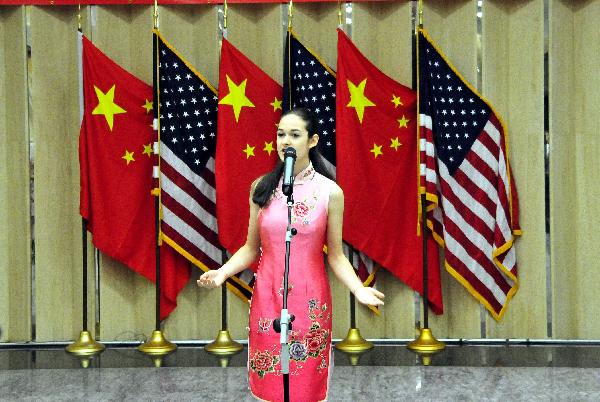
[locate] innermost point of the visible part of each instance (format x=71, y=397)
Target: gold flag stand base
x=354, y=342
x=223, y=345
x=158, y=345
x=85, y=345
x=426, y=345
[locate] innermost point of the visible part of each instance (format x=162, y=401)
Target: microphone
x=289, y=158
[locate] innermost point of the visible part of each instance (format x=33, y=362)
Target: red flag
x=249, y=110
x=466, y=175
x=377, y=169
x=116, y=160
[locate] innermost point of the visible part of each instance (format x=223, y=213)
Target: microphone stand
x=283, y=325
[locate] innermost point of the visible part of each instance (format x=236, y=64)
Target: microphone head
x=289, y=153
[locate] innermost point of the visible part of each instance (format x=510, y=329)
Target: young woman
x=317, y=215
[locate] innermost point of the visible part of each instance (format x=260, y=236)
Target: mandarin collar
x=302, y=177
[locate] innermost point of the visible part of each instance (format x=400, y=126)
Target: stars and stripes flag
x=188, y=127
x=309, y=82
x=467, y=180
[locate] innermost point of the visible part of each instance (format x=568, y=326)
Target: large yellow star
x=147, y=150
x=376, y=150
x=107, y=105
x=395, y=143
x=396, y=101
x=358, y=100
x=236, y=97
x=148, y=106
x=276, y=104
x=269, y=147
x=128, y=157
x=249, y=151
x=403, y=122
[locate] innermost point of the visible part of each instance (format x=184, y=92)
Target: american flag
x=188, y=117
x=309, y=82
x=464, y=163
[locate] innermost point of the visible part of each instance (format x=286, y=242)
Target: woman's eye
x=280, y=134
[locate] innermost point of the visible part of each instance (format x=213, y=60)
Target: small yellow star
x=395, y=143
x=403, y=122
x=147, y=150
x=148, y=106
x=276, y=104
x=396, y=101
x=269, y=147
x=358, y=99
x=128, y=157
x=107, y=106
x=249, y=151
x=376, y=150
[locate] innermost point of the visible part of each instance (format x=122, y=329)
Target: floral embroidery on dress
x=290, y=287
x=302, y=209
x=315, y=340
x=264, y=324
x=316, y=312
x=263, y=362
x=298, y=351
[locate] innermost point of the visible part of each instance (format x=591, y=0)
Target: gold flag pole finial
x=340, y=14
x=290, y=14
x=79, y=17
x=225, y=15
x=420, y=9
x=155, y=14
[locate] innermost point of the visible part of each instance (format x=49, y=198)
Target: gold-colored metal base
x=223, y=345
x=354, y=342
x=157, y=345
x=426, y=343
x=85, y=345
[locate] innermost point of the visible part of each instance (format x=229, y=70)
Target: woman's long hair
x=267, y=184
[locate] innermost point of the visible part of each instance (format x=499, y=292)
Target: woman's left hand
x=369, y=296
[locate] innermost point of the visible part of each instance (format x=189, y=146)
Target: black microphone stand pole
x=283, y=325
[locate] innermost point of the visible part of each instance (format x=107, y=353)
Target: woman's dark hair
x=267, y=184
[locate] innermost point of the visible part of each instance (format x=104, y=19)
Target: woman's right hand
x=211, y=279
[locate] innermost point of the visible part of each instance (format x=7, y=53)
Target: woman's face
x=291, y=132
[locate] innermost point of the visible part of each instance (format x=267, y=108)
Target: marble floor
x=388, y=372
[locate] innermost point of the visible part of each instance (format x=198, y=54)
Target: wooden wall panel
x=513, y=81
x=15, y=263
x=374, y=27
x=126, y=299
x=587, y=104
x=452, y=25
x=55, y=132
x=563, y=173
x=193, y=32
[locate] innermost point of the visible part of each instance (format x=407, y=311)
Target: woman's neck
x=300, y=166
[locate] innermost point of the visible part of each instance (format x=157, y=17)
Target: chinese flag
x=116, y=160
x=377, y=169
x=249, y=110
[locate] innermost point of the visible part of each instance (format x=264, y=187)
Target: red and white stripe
x=189, y=209
x=474, y=215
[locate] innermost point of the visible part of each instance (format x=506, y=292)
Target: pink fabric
x=309, y=298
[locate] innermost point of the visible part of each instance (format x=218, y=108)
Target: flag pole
x=223, y=345
x=85, y=347
x=157, y=346
x=426, y=344
x=353, y=343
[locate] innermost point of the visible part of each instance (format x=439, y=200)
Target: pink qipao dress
x=309, y=297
